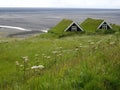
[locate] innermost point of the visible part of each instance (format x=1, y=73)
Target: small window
x=74, y=28
x=104, y=26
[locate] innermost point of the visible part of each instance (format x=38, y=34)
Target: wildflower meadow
x=86, y=62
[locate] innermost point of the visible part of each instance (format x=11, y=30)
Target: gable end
x=73, y=27
x=104, y=25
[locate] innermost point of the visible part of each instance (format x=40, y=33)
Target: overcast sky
x=62, y=3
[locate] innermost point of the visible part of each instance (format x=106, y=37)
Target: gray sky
x=62, y=3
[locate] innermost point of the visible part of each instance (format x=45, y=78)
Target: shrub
x=93, y=85
x=105, y=31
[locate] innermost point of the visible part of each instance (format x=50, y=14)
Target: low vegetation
x=86, y=62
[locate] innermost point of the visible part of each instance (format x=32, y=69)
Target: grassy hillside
x=70, y=63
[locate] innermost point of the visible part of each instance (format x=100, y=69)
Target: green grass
x=91, y=25
x=61, y=26
x=116, y=27
x=86, y=62
x=58, y=30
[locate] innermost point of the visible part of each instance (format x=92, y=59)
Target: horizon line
x=57, y=8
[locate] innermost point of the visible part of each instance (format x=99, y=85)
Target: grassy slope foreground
x=77, y=62
x=71, y=63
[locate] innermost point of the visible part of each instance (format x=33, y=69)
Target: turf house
x=91, y=25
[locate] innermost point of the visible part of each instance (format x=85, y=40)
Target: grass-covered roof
x=91, y=25
x=61, y=26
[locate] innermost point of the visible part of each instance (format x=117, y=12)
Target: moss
x=61, y=26
x=90, y=25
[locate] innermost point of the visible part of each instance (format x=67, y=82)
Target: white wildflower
x=112, y=43
x=92, y=43
x=17, y=63
x=45, y=56
x=21, y=65
x=33, y=67
x=96, y=48
x=54, y=52
x=37, y=67
x=60, y=47
x=40, y=66
x=60, y=54
x=25, y=58
x=48, y=57
x=76, y=49
x=80, y=46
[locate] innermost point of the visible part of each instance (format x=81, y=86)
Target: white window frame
x=104, y=26
x=74, y=28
